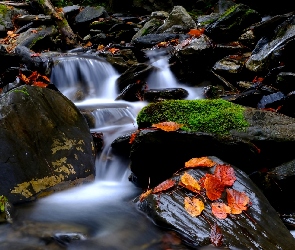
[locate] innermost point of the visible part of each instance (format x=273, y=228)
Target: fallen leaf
x=193, y=206
x=168, y=126
x=113, y=50
x=163, y=44
x=220, y=210
x=165, y=185
x=216, y=236
x=23, y=78
x=237, y=201
x=196, y=32
x=200, y=162
x=35, y=55
x=133, y=136
x=100, y=47
x=226, y=174
x=88, y=44
x=145, y=194
x=213, y=186
x=190, y=183
x=40, y=84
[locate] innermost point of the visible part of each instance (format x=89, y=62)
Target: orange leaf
x=133, y=136
x=23, y=78
x=199, y=162
x=9, y=33
x=33, y=76
x=165, y=185
x=35, y=54
x=45, y=78
x=226, y=174
x=40, y=84
x=113, y=50
x=220, y=210
x=196, y=32
x=145, y=194
x=100, y=47
x=190, y=183
x=168, y=126
x=88, y=44
x=216, y=236
x=163, y=44
x=193, y=206
x=213, y=186
x=237, y=201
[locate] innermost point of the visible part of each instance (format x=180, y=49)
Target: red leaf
x=200, y=162
x=226, y=174
x=213, y=186
x=237, y=201
x=168, y=126
x=196, y=32
x=220, y=210
x=216, y=236
x=165, y=185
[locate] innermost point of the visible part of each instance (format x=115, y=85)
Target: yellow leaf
x=190, y=183
x=168, y=126
x=199, y=162
x=193, y=206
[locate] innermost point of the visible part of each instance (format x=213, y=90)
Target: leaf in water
x=220, y=210
x=226, y=174
x=213, y=186
x=190, y=183
x=165, y=185
x=200, y=162
x=168, y=126
x=145, y=194
x=237, y=201
x=216, y=236
x=193, y=206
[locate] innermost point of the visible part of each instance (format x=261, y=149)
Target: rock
x=149, y=27
x=10, y=59
x=152, y=95
x=241, y=231
x=89, y=14
x=178, y=16
x=230, y=25
x=46, y=145
x=261, y=57
x=285, y=82
x=150, y=40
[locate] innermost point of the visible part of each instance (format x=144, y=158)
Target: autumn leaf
x=168, y=126
x=216, y=236
x=88, y=44
x=100, y=47
x=133, y=136
x=145, y=194
x=199, y=162
x=40, y=84
x=220, y=210
x=165, y=185
x=163, y=44
x=213, y=186
x=237, y=201
x=33, y=76
x=23, y=78
x=113, y=50
x=190, y=183
x=226, y=174
x=35, y=55
x=193, y=206
x=196, y=32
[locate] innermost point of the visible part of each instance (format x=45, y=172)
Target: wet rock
x=230, y=25
x=288, y=106
x=46, y=145
x=10, y=59
x=231, y=64
x=178, y=16
x=89, y=14
x=166, y=209
x=136, y=72
x=67, y=238
x=261, y=57
x=149, y=27
x=133, y=92
x=285, y=82
x=152, y=95
x=150, y=40
x=36, y=38
x=122, y=144
x=172, y=149
x=271, y=101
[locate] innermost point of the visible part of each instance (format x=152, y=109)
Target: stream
x=100, y=215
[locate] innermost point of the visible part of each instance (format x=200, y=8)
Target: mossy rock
x=210, y=116
x=45, y=146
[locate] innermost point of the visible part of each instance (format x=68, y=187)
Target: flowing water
x=100, y=215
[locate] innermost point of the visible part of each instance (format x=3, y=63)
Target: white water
x=103, y=211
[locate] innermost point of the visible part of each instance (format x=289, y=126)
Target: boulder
x=257, y=227
x=46, y=144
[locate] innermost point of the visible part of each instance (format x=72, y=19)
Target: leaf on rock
x=200, y=162
x=237, y=201
x=190, y=183
x=216, y=236
x=133, y=136
x=165, y=185
x=226, y=174
x=40, y=84
x=193, y=206
x=145, y=194
x=220, y=210
x=213, y=186
x=168, y=126
x=196, y=32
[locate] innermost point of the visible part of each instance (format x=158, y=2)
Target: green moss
x=3, y=9
x=211, y=116
x=23, y=90
x=3, y=200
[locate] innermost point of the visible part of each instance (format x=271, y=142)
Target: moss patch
x=211, y=116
